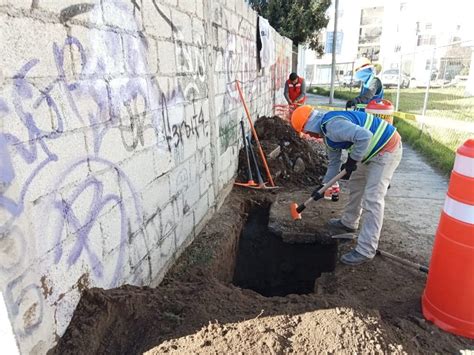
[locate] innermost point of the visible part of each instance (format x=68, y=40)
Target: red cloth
x=294, y=90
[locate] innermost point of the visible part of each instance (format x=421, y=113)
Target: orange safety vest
x=295, y=90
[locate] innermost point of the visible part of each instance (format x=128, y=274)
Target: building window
x=428, y=26
x=370, y=32
x=370, y=52
x=425, y=40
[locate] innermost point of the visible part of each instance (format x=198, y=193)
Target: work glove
x=316, y=195
x=350, y=165
x=350, y=103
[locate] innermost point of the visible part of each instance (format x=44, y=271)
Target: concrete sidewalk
x=413, y=206
x=313, y=100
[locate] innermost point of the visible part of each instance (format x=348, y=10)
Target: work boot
x=337, y=223
x=354, y=258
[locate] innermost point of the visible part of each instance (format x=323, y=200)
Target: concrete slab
x=313, y=225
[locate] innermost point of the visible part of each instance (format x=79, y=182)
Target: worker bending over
x=371, y=87
x=375, y=150
x=295, y=90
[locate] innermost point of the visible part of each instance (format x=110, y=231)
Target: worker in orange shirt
x=295, y=90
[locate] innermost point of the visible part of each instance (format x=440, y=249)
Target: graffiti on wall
x=71, y=209
x=83, y=110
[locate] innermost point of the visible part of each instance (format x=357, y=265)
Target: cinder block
x=191, y=195
x=183, y=24
x=113, y=232
x=95, y=53
x=205, y=180
x=87, y=104
x=152, y=228
x=140, y=55
x=185, y=229
x=157, y=19
x=89, y=11
x=161, y=254
x=169, y=2
x=20, y=4
x=167, y=57
x=163, y=162
x=124, y=15
x=211, y=196
x=109, y=143
x=239, y=7
x=201, y=208
x=68, y=148
x=116, y=267
x=128, y=97
x=169, y=220
x=180, y=178
x=140, y=169
x=155, y=194
x=203, y=139
x=200, y=9
x=199, y=33
x=31, y=51
x=188, y=6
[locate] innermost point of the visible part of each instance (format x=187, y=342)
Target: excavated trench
x=271, y=267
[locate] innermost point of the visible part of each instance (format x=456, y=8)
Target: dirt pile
x=299, y=161
x=373, y=308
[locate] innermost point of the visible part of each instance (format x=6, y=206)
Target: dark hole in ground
x=272, y=267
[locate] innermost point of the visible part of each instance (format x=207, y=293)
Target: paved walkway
x=413, y=206
x=324, y=100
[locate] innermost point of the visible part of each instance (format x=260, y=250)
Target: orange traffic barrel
x=381, y=108
x=448, y=298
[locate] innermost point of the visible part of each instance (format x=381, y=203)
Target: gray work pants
x=368, y=186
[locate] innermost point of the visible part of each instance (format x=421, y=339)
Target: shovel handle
x=328, y=185
x=322, y=189
x=417, y=266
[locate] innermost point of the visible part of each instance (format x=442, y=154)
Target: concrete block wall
x=119, y=134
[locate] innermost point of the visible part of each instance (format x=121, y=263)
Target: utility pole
x=333, y=65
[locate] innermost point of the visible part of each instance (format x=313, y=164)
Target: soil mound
x=296, y=161
x=374, y=308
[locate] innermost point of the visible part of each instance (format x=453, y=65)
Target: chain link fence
x=433, y=85
x=437, y=86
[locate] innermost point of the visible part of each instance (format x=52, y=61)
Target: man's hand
x=350, y=165
x=316, y=195
x=350, y=103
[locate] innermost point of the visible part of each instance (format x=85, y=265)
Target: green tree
x=299, y=20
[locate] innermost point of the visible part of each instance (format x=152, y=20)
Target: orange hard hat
x=300, y=116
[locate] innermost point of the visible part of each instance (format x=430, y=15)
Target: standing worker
x=295, y=90
x=368, y=139
x=371, y=87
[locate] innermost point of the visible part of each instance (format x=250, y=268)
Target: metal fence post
x=352, y=76
x=427, y=92
x=399, y=83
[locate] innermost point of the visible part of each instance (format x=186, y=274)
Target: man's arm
x=372, y=89
x=342, y=130
x=303, y=90
x=334, y=164
x=285, y=93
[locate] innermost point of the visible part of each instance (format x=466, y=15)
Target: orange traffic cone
x=448, y=299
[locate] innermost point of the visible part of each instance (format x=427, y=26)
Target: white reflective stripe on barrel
x=458, y=210
x=464, y=165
